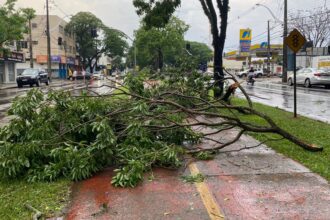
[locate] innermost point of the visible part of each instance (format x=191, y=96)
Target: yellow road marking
x=210, y=204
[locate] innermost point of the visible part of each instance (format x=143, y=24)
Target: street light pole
x=31, y=44
x=285, y=48
x=135, y=49
x=268, y=49
x=134, y=56
x=49, y=60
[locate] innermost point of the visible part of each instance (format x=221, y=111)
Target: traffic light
x=328, y=50
x=94, y=33
x=188, y=46
x=59, y=41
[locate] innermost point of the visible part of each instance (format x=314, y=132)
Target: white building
x=62, y=56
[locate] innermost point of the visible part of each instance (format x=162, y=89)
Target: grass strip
x=312, y=131
x=48, y=198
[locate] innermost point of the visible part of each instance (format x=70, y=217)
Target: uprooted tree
x=139, y=125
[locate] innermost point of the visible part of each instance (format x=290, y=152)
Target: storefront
x=8, y=66
x=60, y=64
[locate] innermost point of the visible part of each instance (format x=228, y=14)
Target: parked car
x=88, y=75
x=98, y=75
x=31, y=77
x=257, y=73
x=311, y=76
x=243, y=73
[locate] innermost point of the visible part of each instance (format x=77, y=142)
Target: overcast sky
x=121, y=14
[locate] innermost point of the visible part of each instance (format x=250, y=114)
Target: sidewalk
x=241, y=184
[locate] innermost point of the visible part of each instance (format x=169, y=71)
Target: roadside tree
x=159, y=46
x=93, y=39
x=12, y=25
x=313, y=24
x=157, y=13
x=200, y=51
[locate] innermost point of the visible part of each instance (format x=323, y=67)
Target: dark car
x=31, y=77
x=88, y=76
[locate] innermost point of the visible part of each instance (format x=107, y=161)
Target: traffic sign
x=295, y=41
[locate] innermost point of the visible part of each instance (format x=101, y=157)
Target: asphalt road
x=311, y=102
x=7, y=95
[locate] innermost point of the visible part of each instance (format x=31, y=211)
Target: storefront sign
x=56, y=59
x=324, y=62
x=42, y=59
x=70, y=60
x=14, y=56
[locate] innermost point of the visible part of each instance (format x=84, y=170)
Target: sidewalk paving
x=256, y=183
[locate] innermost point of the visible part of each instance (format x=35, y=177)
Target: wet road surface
x=7, y=95
x=312, y=102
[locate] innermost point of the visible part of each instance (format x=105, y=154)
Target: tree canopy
x=200, y=51
x=159, y=46
x=313, y=24
x=93, y=39
x=12, y=25
x=156, y=13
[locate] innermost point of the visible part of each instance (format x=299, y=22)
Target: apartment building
x=62, y=56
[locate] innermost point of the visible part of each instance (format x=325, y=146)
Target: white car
x=311, y=76
x=257, y=73
x=98, y=76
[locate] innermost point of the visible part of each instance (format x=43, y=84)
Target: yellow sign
x=295, y=40
x=324, y=64
x=232, y=53
x=245, y=35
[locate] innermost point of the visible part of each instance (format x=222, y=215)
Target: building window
x=35, y=42
x=61, y=29
x=34, y=25
x=70, y=49
x=22, y=44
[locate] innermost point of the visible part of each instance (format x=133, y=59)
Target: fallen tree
x=135, y=127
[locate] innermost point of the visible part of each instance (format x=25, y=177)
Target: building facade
x=63, y=55
x=8, y=63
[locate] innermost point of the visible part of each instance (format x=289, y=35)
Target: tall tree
x=313, y=24
x=159, y=46
x=114, y=43
x=85, y=26
x=93, y=39
x=29, y=14
x=157, y=12
x=12, y=24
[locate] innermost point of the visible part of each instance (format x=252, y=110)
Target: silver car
x=311, y=76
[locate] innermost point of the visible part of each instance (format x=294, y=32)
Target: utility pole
x=268, y=49
x=30, y=42
x=285, y=48
x=49, y=63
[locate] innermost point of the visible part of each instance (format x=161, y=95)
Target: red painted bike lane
x=244, y=184
x=165, y=197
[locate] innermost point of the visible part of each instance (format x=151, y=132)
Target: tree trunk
x=218, y=73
